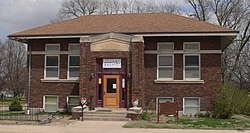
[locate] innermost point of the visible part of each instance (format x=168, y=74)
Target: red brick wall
x=38, y=88
x=210, y=72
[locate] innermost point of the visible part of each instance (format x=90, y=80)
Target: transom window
x=52, y=66
x=74, y=66
x=191, y=46
x=74, y=47
x=165, y=46
x=52, y=47
x=191, y=105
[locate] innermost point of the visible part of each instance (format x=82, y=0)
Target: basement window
x=191, y=105
x=72, y=101
x=50, y=103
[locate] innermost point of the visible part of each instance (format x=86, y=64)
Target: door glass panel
x=111, y=85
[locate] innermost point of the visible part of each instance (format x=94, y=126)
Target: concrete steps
x=114, y=115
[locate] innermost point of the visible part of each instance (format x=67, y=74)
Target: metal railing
x=23, y=115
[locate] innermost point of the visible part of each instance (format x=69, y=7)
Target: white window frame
x=158, y=57
x=199, y=107
x=184, y=43
x=45, y=67
x=74, y=51
x=72, y=67
x=68, y=99
x=165, y=43
x=52, y=51
x=57, y=98
x=184, y=70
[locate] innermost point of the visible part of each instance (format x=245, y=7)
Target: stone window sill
x=179, y=81
x=59, y=80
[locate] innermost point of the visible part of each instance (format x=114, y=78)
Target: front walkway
x=98, y=127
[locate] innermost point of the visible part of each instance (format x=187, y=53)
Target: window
x=51, y=69
x=165, y=67
x=50, y=103
x=52, y=66
x=74, y=47
x=191, y=105
x=74, y=66
x=191, y=61
x=165, y=62
x=192, y=67
x=72, y=101
x=52, y=47
x=74, y=61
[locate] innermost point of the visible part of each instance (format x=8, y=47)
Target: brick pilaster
x=137, y=69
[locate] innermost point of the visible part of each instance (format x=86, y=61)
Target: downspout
x=28, y=107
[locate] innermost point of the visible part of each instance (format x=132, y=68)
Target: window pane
x=74, y=101
x=191, y=102
x=50, y=100
x=167, y=47
x=191, y=110
x=163, y=100
x=50, y=108
x=52, y=72
x=74, y=72
x=192, y=73
x=111, y=85
x=191, y=60
x=74, y=47
x=53, y=47
x=50, y=104
x=165, y=60
x=74, y=61
x=165, y=73
x=192, y=47
x=52, y=61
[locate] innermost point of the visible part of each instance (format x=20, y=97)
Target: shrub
x=15, y=105
x=229, y=100
x=199, y=115
x=145, y=116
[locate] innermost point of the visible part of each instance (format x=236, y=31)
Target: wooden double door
x=111, y=89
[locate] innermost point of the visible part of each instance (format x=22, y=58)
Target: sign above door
x=111, y=63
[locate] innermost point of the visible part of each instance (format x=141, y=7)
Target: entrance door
x=111, y=91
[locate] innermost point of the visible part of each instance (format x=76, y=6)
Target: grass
x=193, y=123
x=11, y=113
x=7, y=101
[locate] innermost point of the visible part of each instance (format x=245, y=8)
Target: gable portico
x=128, y=51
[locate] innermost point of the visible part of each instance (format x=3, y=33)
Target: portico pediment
x=109, y=42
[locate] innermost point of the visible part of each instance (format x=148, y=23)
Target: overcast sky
x=18, y=15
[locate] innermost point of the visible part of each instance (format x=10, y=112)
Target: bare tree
x=168, y=7
x=201, y=9
x=76, y=8
x=109, y=7
x=2, y=75
x=14, y=66
x=233, y=14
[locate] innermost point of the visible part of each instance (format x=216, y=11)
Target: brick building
x=111, y=58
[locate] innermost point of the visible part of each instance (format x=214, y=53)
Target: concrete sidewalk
x=98, y=127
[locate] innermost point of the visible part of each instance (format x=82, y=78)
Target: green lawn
x=11, y=113
x=8, y=101
x=193, y=123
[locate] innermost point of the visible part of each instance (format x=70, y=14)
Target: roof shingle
x=125, y=23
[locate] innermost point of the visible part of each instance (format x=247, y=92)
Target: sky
x=18, y=15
